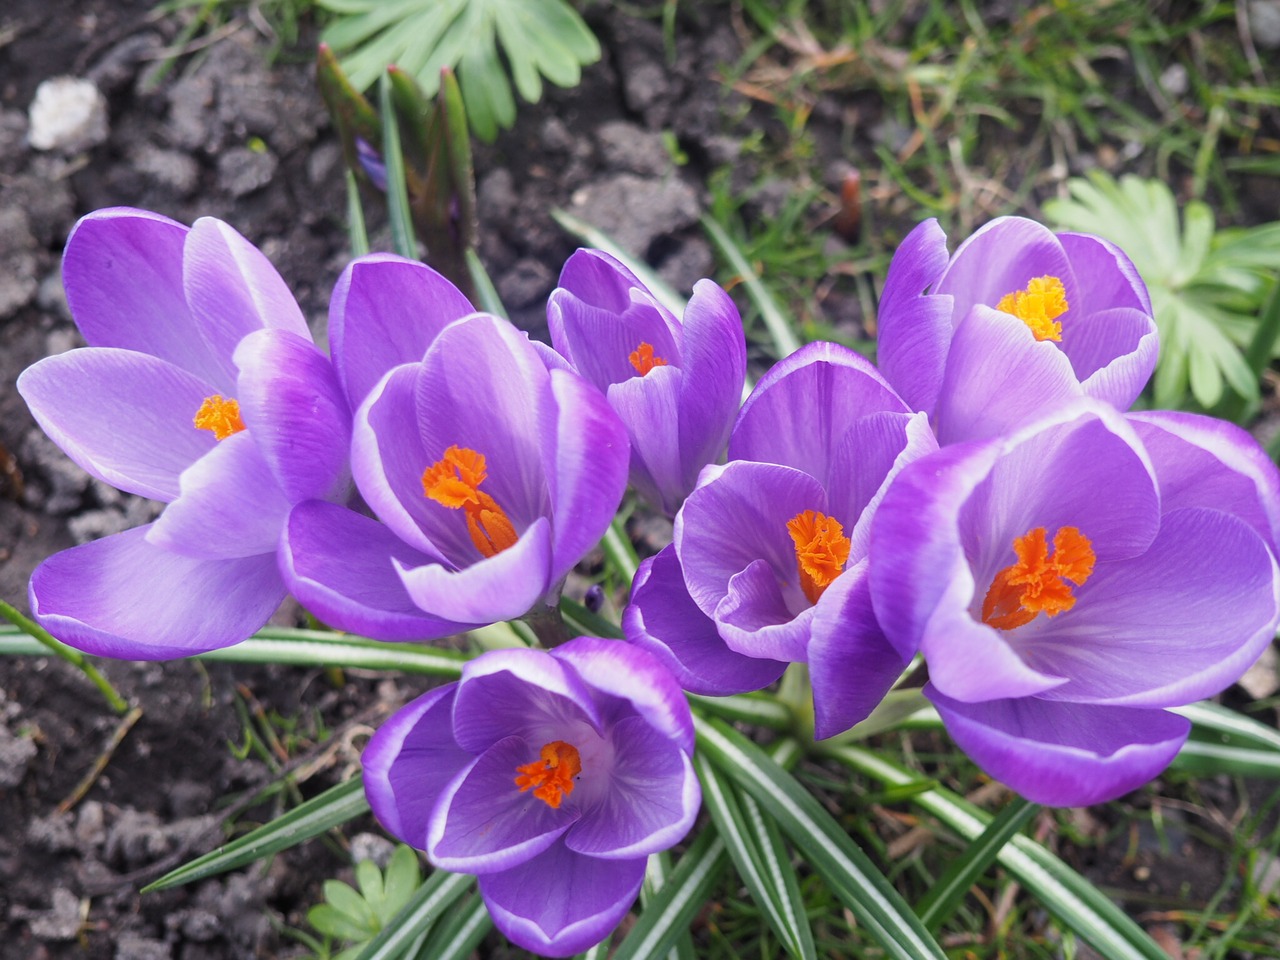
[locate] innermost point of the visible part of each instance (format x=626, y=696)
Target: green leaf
x=335, y=806
x=1223, y=741
x=947, y=893
x=785, y=341
x=878, y=907
x=760, y=858
x=459, y=933
x=427, y=905
x=657, y=872
x=335, y=923
x=400, y=881
x=369, y=880
x=673, y=907
x=1076, y=902
x=343, y=898
x=402, y=235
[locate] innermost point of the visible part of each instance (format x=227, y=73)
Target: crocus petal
x=483, y=822
x=851, y=664
x=1002, y=257
x=1175, y=625
x=651, y=801
x=124, y=417
x=122, y=597
x=339, y=565
x=232, y=290
x=663, y=619
x=1207, y=462
x=1064, y=754
x=408, y=763
x=649, y=406
x=714, y=364
x=385, y=311
x=229, y=505
x=122, y=270
x=501, y=587
x=754, y=619
x=528, y=693
x=561, y=903
x=914, y=330
x=1105, y=276
x=637, y=680
x=1113, y=352
x=585, y=467
x=800, y=410
x=291, y=402
x=999, y=377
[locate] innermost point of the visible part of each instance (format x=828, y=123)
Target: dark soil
x=226, y=133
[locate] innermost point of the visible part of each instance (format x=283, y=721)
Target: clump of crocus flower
x=551, y=776
x=200, y=387
x=675, y=383
x=1017, y=321
x=1059, y=622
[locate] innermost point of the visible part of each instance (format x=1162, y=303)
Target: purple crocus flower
x=676, y=385
x=552, y=776
x=1068, y=583
x=492, y=475
x=1019, y=320
x=200, y=388
x=769, y=559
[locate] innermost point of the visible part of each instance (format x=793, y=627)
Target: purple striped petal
x=649, y=406
x=1106, y=277
x=122, y=597
x=125, y=417
x=1000, y=258
x=714, y=366
x=1064, y=754
x=561, y=903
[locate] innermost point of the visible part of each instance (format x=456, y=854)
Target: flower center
x=551, y=775
x=220, y=416
x=822, y=550
x=643, y=360
x=454, y=481
x=1038, y=582
x=1038, y=306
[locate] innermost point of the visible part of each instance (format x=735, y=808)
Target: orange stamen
x=1038, y=582
x=454, y=481
x=822, y=550
x=1038, y=306
x=552, y=774
x=220, y=416
x=643, y=360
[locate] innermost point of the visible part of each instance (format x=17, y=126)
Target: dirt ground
x=225, y=133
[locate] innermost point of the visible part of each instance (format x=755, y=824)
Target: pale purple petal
x=755, y=619
x=522, y=692
x=483, y=822
x=1002, y=257
x=502, y=587
x=1106, y=277
x=649, y=406
x=126, y=418
x=1178, y=624
x=851, y=664
x=585, y=466
x=663, y=619
x=651, y=801
x=292, y=405
x=914, y=330
x=229, y=505
x=999, y=377
x=408, y=763
x=1064, y=754
x=232, y=290
x=1113, y=353
x=640, y=684
x=714, y=366
x=122, y=270
x=561, y=903
x=122, y=597
x=341, y=566
x=386, y=311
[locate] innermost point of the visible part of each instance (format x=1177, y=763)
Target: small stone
x=135, y=838
x=62, y=921
x=242, y=170
x=371, y=846
x=67, y=114
x=526, y=282
x=16, y=754
x=1174, y=80
x=625, y=146
x=52, y=833
x=177, y=171
x=66, y=482
x=1264, y=21
x=90, y=824
x=18, y=249
x=635, y=211
x=141, y=948
x=200, y=926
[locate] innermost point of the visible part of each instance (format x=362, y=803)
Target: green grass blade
x=759, y=857
x=757, y=709
x=946, y=895
x=879, y=909
x=1223, y=741
x=1076, y=902
x=585, y=623
x=487, y=298
x=314, y=648
x=1262, y=346
x=673, y=907
x=657, y=874
x=426, y=906
x=335, y=806
x=356, y=233
x=459, y=933
x=784, y=339
x=401, y=217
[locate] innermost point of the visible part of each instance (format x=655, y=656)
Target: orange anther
x=643, y=360
x=1038, y=583
x=551, y=776
x=822, y=550
x=1038, y=306
x=220, y=416
x=454, y=481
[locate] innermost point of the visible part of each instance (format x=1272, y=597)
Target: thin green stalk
x=356, y=233
x=72, y=656
x=619, y=551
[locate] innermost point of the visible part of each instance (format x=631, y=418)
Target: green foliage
x=1207, y=289
x=537, y=38
x=356, y=917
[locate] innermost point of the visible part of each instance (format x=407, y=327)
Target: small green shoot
x=356, y=917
